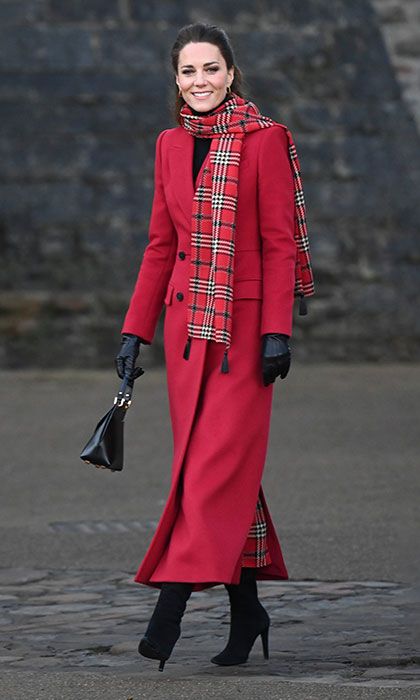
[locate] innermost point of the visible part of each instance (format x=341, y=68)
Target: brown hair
x=199, y=32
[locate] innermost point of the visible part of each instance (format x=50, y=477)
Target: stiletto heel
x=161, y=665
x=264, y=639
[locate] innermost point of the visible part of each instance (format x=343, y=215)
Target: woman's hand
x=275, y=356
x=126, y=358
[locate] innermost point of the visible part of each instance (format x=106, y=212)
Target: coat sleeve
x=276, y=203
x=146, y=302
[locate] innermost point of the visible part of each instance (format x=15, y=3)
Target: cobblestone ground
x=354, y=632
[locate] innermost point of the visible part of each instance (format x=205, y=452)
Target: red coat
x=220, y=422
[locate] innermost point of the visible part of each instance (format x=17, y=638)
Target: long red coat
x=220, y=422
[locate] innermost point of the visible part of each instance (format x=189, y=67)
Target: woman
x=227, y=253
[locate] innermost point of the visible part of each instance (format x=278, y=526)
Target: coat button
x=180, y=296
x=181, y=254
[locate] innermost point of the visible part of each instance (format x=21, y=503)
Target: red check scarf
x=213, y=219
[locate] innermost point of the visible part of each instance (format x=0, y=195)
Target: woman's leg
x=164, y=627
x=248, y=620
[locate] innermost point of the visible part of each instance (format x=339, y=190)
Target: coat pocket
x=169, y=294
x=247, y=289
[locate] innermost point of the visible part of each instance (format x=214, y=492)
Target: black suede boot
x=248, y=619
x=165, y=624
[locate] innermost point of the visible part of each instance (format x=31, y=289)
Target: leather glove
x=126, y=358
x=275, y=356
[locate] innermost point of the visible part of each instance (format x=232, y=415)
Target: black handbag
x=105, y=449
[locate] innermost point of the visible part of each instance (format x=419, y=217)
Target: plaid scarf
x=213, y=219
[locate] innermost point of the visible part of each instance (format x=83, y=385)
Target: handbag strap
x=123, y=398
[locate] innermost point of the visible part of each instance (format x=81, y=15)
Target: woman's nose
x=200, y=80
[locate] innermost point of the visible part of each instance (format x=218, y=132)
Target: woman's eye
x=187, y=72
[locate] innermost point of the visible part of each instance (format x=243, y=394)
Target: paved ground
x=342, y=482
x=355, y=632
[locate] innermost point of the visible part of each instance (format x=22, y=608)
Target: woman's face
x=202, y=75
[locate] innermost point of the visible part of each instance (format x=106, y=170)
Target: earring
x=228, y=89
x=179, y=92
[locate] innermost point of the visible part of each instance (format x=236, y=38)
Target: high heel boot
x=248, y=619
x=165, y=624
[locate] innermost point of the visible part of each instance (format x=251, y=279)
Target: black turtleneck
x=202, y=145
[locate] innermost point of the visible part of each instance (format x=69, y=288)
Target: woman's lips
x=202, y=97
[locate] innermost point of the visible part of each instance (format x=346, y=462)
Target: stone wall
x=84, y=90
x=400, y=24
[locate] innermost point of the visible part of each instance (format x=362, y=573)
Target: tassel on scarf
x=303, y=309
x=225, y=366
x=187, y=349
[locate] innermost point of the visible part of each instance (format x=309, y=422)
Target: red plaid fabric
x=255, y=552
x=213, y=219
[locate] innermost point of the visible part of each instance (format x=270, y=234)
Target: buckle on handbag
x=123, y=400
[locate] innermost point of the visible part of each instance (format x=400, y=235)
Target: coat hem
x=199, y=585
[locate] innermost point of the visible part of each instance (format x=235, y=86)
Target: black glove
x=126, y=358
x=275, y=356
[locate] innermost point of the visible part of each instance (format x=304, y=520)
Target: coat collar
x=180, y=155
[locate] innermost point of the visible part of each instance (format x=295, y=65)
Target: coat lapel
x=180, y=157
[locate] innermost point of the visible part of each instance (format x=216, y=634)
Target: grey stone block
x=175, y=12
x=98, y=11
x=15, y=12
x=45, y=48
